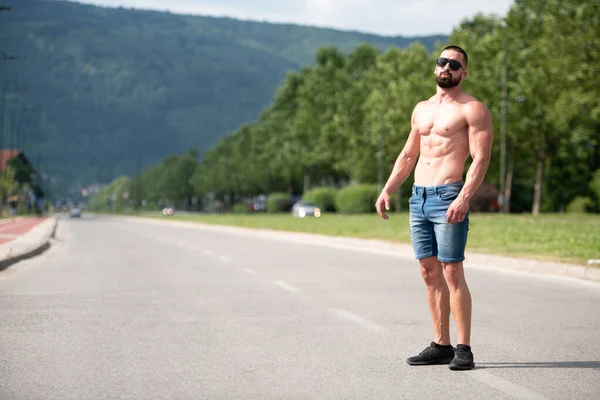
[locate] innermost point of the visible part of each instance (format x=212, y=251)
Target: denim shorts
x=431, y=234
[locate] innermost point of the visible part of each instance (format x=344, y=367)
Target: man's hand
x=457, y=211
x=383, y=201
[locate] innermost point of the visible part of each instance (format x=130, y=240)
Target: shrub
x=403, y=204
x=323, y=197
x=580, y=204
x=279, y=202
x=240, y=208
x=595, y=185
x=355, y=199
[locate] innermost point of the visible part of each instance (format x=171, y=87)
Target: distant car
x=75, y=212
x=303, y=209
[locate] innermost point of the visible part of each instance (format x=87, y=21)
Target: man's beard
x=446, y=82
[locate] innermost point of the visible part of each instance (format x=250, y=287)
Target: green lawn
x=556, y=237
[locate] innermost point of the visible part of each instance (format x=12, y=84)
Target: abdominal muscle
x=441, y=161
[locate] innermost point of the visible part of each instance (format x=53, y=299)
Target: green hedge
x=580, y=205
x=393, y=197
x=240, y=208
x=323, y=197
x=278, y=203
x=595, y=185
x=356, y=199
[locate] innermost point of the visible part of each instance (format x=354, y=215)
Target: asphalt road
x=133, y=310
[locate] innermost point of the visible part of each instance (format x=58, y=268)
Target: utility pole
x=136, y=185
x=22, y=124
x=2, y=107
x=1, y=121
x=504, y=122
x=6, y=57
x=12, y=134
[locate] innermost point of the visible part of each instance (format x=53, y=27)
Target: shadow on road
x=558, y=364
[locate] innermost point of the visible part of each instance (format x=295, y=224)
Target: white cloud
x=384, y=17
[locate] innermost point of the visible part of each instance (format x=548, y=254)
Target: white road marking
x=225, y=259
x=286, y=286
x=357, y=319
x=249, y=270
x=509, y=388
x=208, y=252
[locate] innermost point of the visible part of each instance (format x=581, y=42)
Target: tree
x=559, y=91
x=314, y=124
x=23, y=172
x=349, y=122
x=8, y=183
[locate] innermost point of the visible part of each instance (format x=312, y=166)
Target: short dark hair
x=460, y=50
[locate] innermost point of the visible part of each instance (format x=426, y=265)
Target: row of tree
x=346, y=119
x=18, y=188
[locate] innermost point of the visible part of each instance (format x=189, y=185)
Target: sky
x=382, y=17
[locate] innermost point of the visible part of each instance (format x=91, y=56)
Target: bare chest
x=442, y=120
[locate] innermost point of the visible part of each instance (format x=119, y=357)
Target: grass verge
x=551, y=237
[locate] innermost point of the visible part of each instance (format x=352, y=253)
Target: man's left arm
x=481, y=138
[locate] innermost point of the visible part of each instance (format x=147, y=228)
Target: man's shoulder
x=472, y=105
x=424, y=103
x=475, y=112
x=466, y=98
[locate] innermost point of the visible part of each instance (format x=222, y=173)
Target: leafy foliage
x=278, y=202
x=580, y=204
x=240, y=208
x=323, y=197
x=595, y=186
x=8, y=184
x=356, y=199
x=23, y=172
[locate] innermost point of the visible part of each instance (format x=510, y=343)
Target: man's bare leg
x=460, y=300
x=438, y=297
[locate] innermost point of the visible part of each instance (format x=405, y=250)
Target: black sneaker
x=434, y=354
x=463, y=359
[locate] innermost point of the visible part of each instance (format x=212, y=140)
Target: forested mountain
x=115, y=90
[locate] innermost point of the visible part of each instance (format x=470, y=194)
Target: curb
x=592, y=274
x=31, y=244
x=396, y=249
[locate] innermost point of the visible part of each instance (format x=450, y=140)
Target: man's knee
x=431, y=270
x=454, y=273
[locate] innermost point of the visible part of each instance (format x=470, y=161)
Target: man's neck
x=449, y=94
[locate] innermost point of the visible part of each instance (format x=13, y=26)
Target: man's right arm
x=406, y=159
x=402, y=167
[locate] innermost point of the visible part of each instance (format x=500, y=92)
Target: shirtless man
x=446, y=129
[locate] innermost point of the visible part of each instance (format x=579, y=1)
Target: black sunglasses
x=454, y=65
